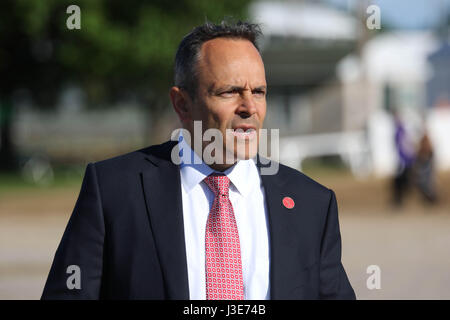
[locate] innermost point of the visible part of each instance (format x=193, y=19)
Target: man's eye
x=228, y=93
x=259, y=92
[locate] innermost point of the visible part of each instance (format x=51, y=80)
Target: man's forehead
x=232, y=61
x=227, y=41
x=228, y=49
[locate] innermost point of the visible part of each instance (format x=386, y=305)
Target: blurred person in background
x=424, y=169
x=405, y=153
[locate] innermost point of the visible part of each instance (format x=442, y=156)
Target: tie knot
x=218, y=183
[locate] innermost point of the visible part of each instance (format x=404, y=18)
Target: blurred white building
x=391, y=74
x=331, y=92
x=303, y=42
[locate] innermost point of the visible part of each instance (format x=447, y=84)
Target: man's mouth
x=244, y=132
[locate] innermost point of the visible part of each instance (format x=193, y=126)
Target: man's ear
x=182, y=103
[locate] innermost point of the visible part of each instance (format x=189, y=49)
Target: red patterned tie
x=224, y=279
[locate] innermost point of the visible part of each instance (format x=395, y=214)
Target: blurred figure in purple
x=405, y=152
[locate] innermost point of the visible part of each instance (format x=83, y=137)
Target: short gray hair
x=188, y=51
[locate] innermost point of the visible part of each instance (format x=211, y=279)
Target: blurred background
x=360, y=91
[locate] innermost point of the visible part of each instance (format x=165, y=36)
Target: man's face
x=231, y=94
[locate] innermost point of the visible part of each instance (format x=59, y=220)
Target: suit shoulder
x=296, y=177
x=134, y=160
x=121, y=161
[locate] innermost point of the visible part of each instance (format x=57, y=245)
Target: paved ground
x=411, y=251
x=411, y=245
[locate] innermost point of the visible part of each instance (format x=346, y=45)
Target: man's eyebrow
x=218, y=89
x=212, y=88
x=260, y=88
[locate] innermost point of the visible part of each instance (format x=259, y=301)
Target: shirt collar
x=243, y=175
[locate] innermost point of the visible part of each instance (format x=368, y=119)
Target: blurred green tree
x=123, y=49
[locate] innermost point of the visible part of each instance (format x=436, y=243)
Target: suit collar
x=162, y=191
x=193, y=170
x=289, y=235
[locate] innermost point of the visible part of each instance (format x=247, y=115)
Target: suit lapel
x=287, y=252
x=162, y=189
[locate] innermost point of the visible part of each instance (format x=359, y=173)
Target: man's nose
x=247, y=105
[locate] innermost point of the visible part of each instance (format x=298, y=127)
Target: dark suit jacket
x=126, y=234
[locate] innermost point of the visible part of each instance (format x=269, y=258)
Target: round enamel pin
x=288, y=202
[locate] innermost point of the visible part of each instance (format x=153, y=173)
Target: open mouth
x=244, y=133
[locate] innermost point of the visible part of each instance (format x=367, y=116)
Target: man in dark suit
x=153, y=225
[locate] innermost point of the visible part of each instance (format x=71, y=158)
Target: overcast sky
x=408, y=13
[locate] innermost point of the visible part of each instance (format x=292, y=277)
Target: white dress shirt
x=247, y=197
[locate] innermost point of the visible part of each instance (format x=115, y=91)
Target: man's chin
x=243, y=151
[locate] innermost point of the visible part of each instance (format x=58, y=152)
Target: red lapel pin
x=288, y=202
